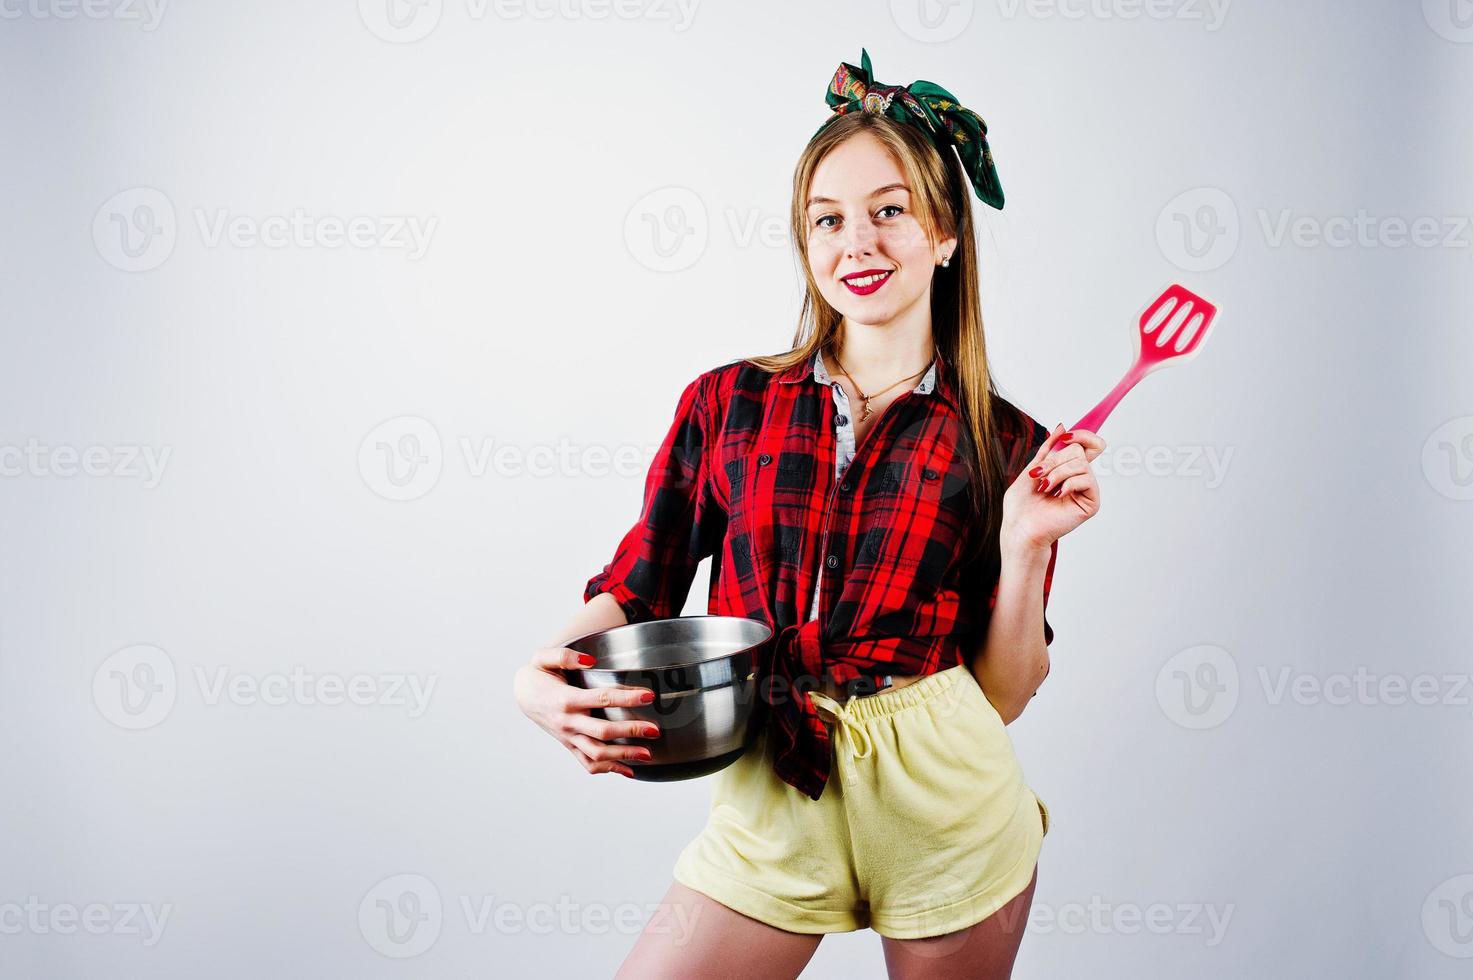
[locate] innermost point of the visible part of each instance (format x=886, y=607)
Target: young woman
x=871, y=496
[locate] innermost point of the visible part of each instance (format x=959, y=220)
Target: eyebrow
x=874, y=193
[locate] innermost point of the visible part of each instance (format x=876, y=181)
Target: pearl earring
x=946, y=262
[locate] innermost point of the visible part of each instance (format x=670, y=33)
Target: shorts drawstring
x=927, y=826
x=852, y=725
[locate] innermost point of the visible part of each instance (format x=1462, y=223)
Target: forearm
x=1013, y=659
x=599, y=613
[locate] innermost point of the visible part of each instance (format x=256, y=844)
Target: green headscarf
x=926, y=105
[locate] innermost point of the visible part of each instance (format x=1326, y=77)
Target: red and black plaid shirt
x=746, y=473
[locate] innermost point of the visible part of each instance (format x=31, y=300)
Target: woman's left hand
x=1055, y=492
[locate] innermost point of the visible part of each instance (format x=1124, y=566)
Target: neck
x=878, y=354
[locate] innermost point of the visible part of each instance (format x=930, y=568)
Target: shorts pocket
x=980, y=712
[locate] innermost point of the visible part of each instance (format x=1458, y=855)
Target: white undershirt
x=844, y=438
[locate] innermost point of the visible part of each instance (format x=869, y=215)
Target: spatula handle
x=1097, y=415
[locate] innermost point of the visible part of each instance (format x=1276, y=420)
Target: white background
x=538, y=146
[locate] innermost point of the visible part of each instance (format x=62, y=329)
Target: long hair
x=941, y=202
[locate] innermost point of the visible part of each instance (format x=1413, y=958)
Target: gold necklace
x=864, y=399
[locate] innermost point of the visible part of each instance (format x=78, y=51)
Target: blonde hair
x=941, y=202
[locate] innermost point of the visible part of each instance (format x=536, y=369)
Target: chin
x=876, y=315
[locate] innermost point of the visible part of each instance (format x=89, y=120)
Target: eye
x=819, y=222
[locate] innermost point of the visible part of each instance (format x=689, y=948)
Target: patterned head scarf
x=925, y=105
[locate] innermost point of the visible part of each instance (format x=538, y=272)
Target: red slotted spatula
x=1171, y=332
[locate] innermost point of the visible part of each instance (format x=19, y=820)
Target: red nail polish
x=652, y=732
x=587, y=659
x=1066, y=435
x=647, y=697
x=626, y=775
x=1045, y=486
x=1036, y=470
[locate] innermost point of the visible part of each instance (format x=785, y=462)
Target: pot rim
x=689, y=663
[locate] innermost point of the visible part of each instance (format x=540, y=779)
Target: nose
x=860, y=238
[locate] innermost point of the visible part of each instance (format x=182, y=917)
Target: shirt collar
x=937, y=378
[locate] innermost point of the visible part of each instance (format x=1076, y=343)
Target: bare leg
x=985, y=951
x=692, y=937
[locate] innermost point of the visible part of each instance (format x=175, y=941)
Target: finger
x=561, y=658
x=1083, y=486
x=579, y=699
x=1048, y=443
x=1057, y=474
x=1087, y=439
x=607, y=731
x=1093, y=444
x=598, y=767
x=1070, y=457
x=1042, y=458
x=604, y=752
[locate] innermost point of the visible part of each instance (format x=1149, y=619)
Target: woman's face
x=860, y=223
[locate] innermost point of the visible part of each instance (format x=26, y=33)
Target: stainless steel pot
x=703, y=672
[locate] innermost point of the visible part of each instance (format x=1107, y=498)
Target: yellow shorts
x=925, y=826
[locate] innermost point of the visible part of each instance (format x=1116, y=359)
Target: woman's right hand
x=562, y=711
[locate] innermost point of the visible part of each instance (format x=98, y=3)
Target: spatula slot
x=1189, y=335
x=1178, y=317
x=1159, y=315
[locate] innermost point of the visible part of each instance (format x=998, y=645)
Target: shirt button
x=929, y=474
x=832, y=561
x=846, y=486
x=764, y=459
x=841, y=420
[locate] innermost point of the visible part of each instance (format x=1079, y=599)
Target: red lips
x=884, y=275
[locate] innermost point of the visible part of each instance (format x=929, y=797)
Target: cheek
x=823, y=260
x=822, y=251
x=906, y=242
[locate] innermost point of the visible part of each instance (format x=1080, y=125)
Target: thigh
x=692, y=936
x=984, y=951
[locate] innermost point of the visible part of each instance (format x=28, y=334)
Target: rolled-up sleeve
x=1048, y=581
x=983, y=576
x=980, y=576
x=680, y=521
x=1038, y=433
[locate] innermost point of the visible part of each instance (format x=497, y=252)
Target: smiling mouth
x=863, y=285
